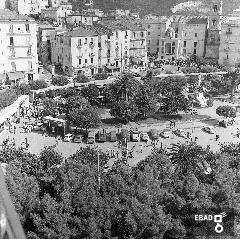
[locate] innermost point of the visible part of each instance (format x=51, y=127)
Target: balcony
x=18, y=33
x=91, y=54
x=79, y=56
x=228, y=32
x=136, y=48
x=13, y=45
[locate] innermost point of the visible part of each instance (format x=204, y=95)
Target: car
x=209, y=129
x=78, y=138
x=113, y=136
x=165, y=133
x=91, y=137
x=102, y=136
x=180, y=133
x=135, y=136
x=144, y=137
x=37, y=126
x=68, y=138
x=154, y=134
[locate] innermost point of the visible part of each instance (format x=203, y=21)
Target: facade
x=156, y=27
x=27, y=7
x=18, y=45
x=214, y=30
x=229, y=52
x=82, y=19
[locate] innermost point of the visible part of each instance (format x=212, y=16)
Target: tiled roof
x=81, y=32
x=198, y=20
x=6, y=14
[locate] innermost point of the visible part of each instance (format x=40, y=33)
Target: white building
x=87, y=18
x=18, y=46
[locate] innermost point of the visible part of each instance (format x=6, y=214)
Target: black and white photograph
x=119, y=119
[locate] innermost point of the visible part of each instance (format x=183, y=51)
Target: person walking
x=117, y=153
x=141, y=148
x=14, y=129
x=217, y=137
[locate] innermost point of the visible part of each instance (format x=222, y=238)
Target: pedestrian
x=196, y=138
x=217, y=137
x=188, y=134
x=117, y=154
x=14, y=129
x=114, y=155
x=238, y=132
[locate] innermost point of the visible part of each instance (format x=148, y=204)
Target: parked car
x=125, y=134
x=180, y=133
x=102, y=136
x=38, y=126
x=209, y=129
x=144, y=137
x=78, y=138
x=91, y=137
x=135, y=136
x=68, y=138
x=165, y=133
x=154, y=134
x=113, y=136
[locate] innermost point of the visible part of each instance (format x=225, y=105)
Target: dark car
x=101, y=136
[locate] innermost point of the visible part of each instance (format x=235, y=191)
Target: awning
x=15, y=75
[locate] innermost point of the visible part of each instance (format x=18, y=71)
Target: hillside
x=160, y=7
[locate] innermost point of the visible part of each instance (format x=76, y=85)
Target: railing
x=91, y=54
x=91, y=45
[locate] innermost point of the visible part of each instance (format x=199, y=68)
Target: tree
x=38, y=84
x=226, y=111
x=7, y=98
x=233, y=77
x=50, y=107
x=81, y=79
x=75, y=102
x=24, y=88
x=101, y=76
x=173, y=99
x=124, y=111
x=91, y=93
x=59, y=80
x=86, y=118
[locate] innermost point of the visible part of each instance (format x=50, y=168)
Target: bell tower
x=214, y=30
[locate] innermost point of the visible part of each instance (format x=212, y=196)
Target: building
x=27, y=7
x=156, y=27
x=214, y=30
x=84, y=18
x=229, y=51
x=58, y=14
x=18, y=46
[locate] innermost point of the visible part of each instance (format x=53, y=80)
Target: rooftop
x=6, y=14
x=82, y=32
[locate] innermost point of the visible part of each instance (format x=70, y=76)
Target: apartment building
x=27, y=7
x=18, y=46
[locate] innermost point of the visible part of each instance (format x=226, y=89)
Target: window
x=116, y=63
x=79, y=42
x=195, y=44
x=184, y=51
x=149, y=33
x=30, y=65
x=184, y=43
x=11, y=28
x=162, y=43
x=79, y=61
x=27, y=27
x=142, y=34
x=149, y=26
x=214, y=22
x=85, y=40
x=158, y=49
x=215, y=8
x=195, y=34
x=157, y=42
x=91, y=60
x=11, y=41
x=195, y=51
x=116, y=34
x=134, y=34
x=86, y=61
x=29, y=51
